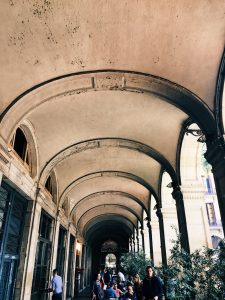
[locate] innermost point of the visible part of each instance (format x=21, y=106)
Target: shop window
x=21, y=146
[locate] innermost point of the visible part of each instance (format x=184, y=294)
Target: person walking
x=97, y=291
x=56, y=286
x=130, y=294
x=152, y=286
x=110, y=292
x=137, y=286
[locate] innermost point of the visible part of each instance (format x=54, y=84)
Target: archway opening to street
x=110, y=261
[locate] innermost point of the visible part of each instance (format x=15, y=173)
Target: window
x=43, y=254
x=61, y=252
x=49, y=185
x=211, y=213
x=21, y=147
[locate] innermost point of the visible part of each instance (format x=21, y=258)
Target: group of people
x=106, y=287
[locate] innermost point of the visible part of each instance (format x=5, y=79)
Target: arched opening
x=21, y=146
x=23, y=143
x=198, y=188
x=110, y=261
x=51, y=187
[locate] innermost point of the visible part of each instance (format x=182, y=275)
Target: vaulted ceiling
x=106, y=87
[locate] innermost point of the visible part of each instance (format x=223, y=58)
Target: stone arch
x=133, y=81
x=119, y=174
x=106, y=142
x=129, y=196
x=107, y=205
x=108, y=217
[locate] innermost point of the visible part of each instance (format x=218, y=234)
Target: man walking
x=56, y=286
x=152, y=286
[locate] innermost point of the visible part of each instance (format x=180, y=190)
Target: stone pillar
x=162, y=236
x=134, y=242
x=143, y=239
x=1, y=175
x=130, y=243
x=74, y=268
x=181, y=217
x=215, y=155
x=66, y=262
x=31, y=249
x=55, y=243
x=150, y=241
x=137, y=238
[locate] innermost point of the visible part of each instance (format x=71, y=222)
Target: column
x=215, y=155
x=1, y=175
x=137, y=238
x=66, y=262
x=55, y=242
x=181, y=217
x=143, y=240
x=31, y=251
x=162, y=236
x=150, y=241
x=130, y=243
x=134, y=242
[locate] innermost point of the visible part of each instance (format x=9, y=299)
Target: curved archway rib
x=107, y=142
x=108, y=217
x=140, y=82
x=127, y=195
x=109, y=224
x=108, y=205
x=111, y=173
x=111, y=203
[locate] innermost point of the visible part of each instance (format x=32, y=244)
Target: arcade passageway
x=112, y=131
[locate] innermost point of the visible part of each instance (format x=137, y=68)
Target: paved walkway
x=84, y=295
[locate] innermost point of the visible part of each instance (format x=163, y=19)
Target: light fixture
x=78, y=248
x=170, y=185
x=197, y=133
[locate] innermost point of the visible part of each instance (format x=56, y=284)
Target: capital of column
x=176, y=193
x=149, y=224
x=159, y=213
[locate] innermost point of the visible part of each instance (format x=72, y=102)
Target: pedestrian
x=137, y=286
x=121, y=276
x=97, y=291
x=152, y=286
x=130, y=294
x=110, y=292
x=56, y=286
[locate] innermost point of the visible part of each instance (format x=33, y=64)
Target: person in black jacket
x=152, y=286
